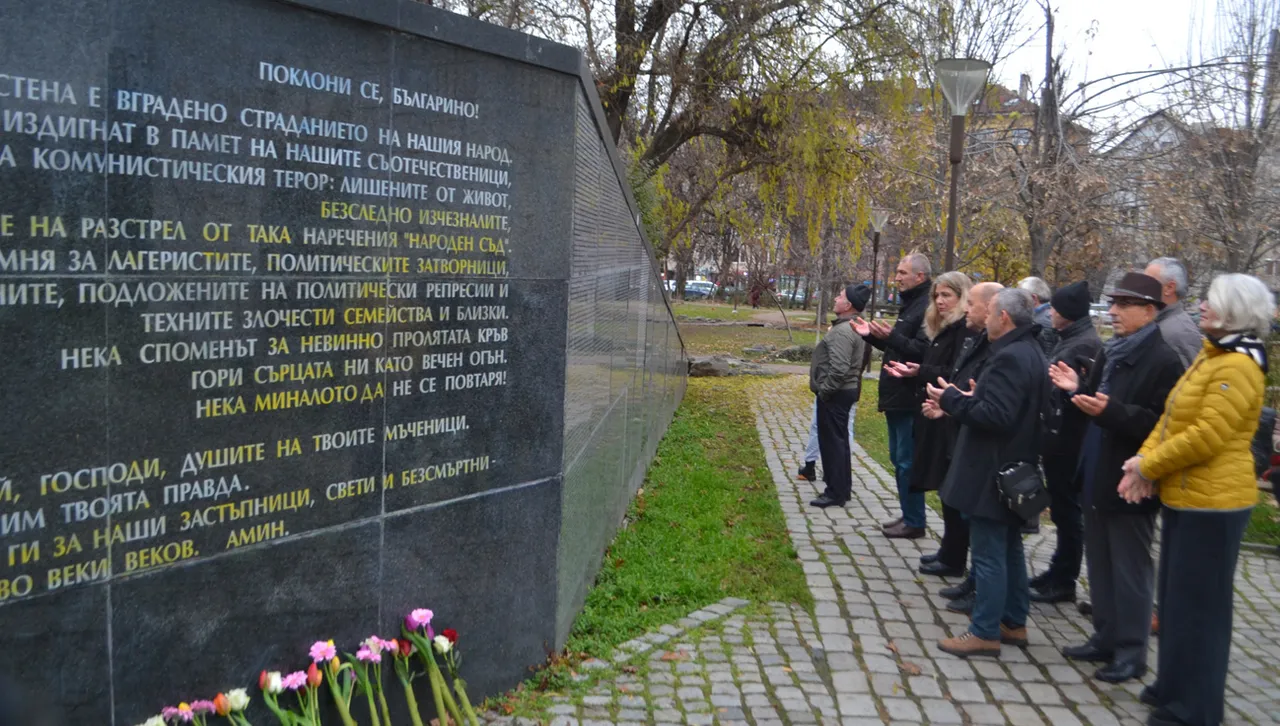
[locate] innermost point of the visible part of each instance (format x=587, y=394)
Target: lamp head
x=961, y=79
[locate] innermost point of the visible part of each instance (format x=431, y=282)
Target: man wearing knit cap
x=835, y=377
x=1077, y=347
x=858, y=296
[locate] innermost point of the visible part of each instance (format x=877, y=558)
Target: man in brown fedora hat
x=1121, y=397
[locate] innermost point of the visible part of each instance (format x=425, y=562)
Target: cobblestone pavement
x=868, y=653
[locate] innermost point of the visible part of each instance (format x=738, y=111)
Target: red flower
x=262, y=681
x=406, y=647
x=314, y=678
x=451, y=634
x=221, y=705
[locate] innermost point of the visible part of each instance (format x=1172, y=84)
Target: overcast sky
x=1130, y=35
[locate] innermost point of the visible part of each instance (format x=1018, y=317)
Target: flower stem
x=412, y=700
x=440, y=687
x=339, y=698
x=382, y=699
x=373, y=708
x=460, y=686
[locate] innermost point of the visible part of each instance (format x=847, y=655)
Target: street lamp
x=879, y=216
x=961, y=79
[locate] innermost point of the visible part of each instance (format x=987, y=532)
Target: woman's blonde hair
x=934, y=321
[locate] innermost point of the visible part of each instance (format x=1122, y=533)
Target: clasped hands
x=1133, y=486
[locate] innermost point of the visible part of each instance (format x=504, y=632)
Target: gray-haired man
x=1176, y=326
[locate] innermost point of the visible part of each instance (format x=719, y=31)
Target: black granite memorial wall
x=310, y=313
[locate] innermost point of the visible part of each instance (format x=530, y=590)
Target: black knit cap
x=1072, y=301
x=858, y=296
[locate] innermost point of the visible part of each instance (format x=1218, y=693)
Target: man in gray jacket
x=1176, y=327
x=835, y=377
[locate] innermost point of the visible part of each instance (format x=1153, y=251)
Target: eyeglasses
x=1130, y=302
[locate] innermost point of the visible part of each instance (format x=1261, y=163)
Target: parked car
x=1100, y=310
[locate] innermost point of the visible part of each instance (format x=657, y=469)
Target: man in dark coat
x=1077, y=348
x=835, y=377
x=900, y=397
x=1123, y=398
x=1000, y=421
x=954, y=549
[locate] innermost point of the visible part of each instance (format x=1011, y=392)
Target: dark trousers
x=1121, y=581
x=833, y=444
x=954, y=551
x=1198, y=553
x=1064, y=509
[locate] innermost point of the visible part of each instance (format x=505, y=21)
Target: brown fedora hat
x=1137, y=286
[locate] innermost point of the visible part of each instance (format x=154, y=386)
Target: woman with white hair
x=1198, y=459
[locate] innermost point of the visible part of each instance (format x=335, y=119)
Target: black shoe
x=1148, y=696
x=1120, y=672
x=1040, y=580
x=963, y=605
x=1088, y=652
x=825, y=501
x=807, y=472
x=1054, y=593
x=1085, y=607
x=926, y=559
x=955, y=592
x=1161, y=717
x=939, y=569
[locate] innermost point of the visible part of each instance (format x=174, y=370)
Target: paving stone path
x=868, y=655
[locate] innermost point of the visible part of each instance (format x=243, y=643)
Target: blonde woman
x=1198, y=460
x=945, y=331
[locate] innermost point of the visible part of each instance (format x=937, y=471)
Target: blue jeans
x=901, y=450
x=1000, y=572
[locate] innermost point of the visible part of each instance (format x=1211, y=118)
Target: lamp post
x=879, y=216
x=961, y=79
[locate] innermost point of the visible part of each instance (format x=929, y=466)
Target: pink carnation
x=169, y=713
x=323, y=651
x=295, y=680
x=368, y=656
x=203, y=706
x=419, y=618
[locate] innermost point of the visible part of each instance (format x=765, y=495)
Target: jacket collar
x=1170, y=311
x=1013, y=336
x=909, y=296
x=841, y=319
x=1077, y=327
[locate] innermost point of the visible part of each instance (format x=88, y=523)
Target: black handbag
x=1021, y=486
x=1021, y=483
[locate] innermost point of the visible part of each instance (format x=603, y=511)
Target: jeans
x=811, y=449
x=1000, y=573
x=1064, y=509
x=901, y=449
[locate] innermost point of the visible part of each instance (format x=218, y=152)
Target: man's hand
x=880, y=330
x=934, y=393
x=1064, y=377
x=1091, y=405
x=931, y=410
x=860, y=326
x=902, y=370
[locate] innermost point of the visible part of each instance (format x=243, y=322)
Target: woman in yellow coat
x=1198, y=460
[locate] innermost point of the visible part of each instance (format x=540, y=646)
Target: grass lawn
x=731, y=339
x=705, y=526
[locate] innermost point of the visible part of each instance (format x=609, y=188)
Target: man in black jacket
x=1123, y=397
x=999, y=424
x=900, y=397
x=954, y=549
x=1077, y=348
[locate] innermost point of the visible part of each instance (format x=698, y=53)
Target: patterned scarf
x=1247, y=344
x=1118, y=349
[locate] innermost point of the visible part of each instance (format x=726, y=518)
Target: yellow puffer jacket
x=1199, y=450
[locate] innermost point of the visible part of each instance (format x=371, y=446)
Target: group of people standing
x=979, y=381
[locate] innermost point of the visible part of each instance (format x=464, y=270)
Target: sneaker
x=1013, y=636
x=968, y=645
